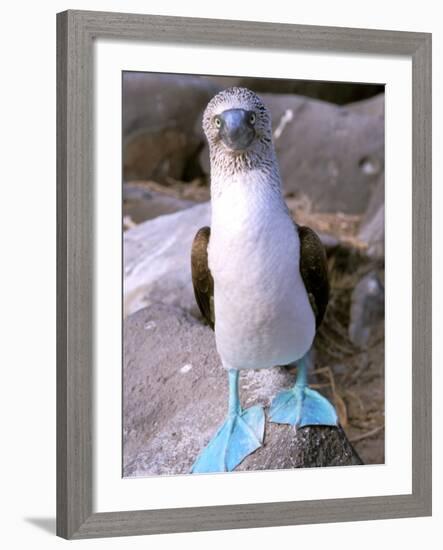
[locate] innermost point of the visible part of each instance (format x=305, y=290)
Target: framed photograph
x=244, y=274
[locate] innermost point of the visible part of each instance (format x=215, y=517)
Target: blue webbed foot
x=240, y=435
x=301, y=406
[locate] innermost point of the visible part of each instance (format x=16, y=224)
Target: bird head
x=237, y=124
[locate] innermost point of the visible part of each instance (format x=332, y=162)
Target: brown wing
x=314, y=271
x=201, y=275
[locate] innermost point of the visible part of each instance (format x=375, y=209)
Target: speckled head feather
x=259, y=154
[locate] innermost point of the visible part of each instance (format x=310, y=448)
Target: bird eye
x=217, y=122
x=252, y=118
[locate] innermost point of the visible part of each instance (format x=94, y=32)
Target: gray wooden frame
x=76, y=31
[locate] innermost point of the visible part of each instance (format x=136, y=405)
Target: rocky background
x=329, y=139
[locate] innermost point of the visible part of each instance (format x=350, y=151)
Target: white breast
x=263, y=315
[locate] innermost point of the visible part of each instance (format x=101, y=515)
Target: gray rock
x=372, y=233
x=159, y=115
x=141, y=204
x=372, y=228
x=334, y=155
x=175, y=396
x=374, y=106
x=157, y=260
x=340, y=93
x=367, y=308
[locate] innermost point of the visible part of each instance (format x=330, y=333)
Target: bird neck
x=251, y=169
x=246, y=198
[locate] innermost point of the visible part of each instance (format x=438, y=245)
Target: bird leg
x=302, y=406
x=239, y=436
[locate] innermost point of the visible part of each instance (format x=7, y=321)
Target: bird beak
x=236, y=130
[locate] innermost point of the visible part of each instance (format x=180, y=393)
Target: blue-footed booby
x=260, y=280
